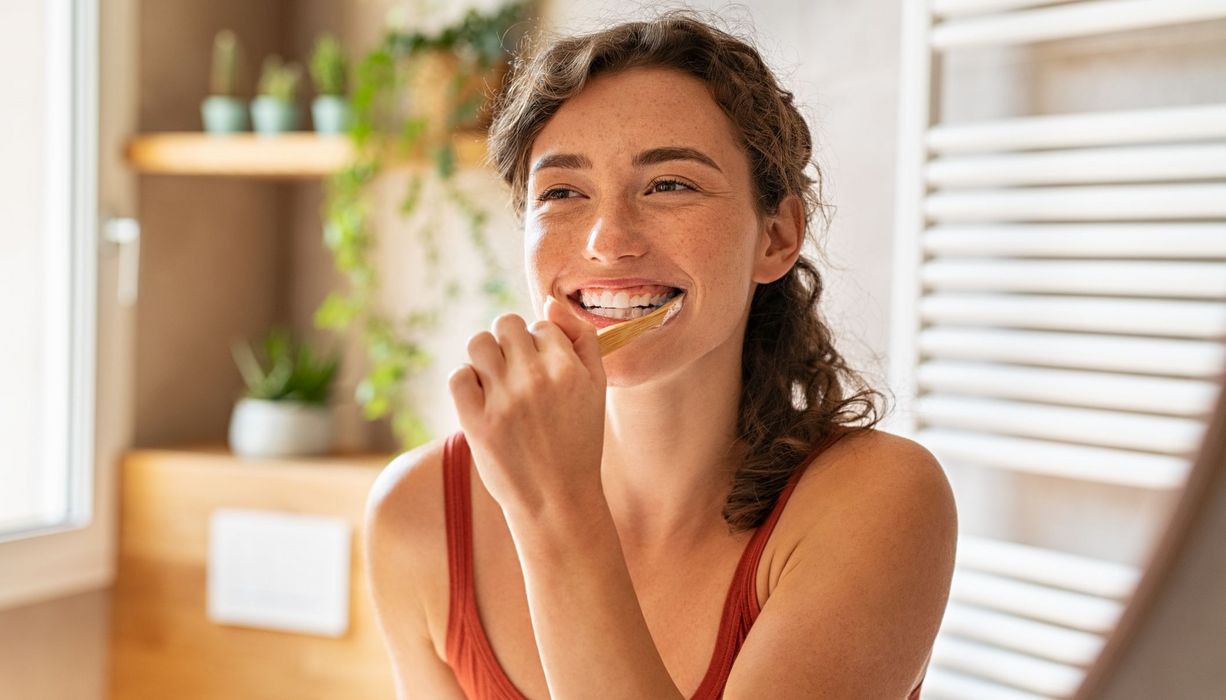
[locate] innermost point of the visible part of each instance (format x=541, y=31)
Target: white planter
x=260, y=428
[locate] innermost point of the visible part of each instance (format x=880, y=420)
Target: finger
x=486, y=358
x=581, y=334
x=550, y=338
x=466, y=393
x=513, y=337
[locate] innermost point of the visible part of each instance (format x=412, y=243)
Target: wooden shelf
x=217, y=453
x=299, y=154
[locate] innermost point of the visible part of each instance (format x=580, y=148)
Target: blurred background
x=248, y=240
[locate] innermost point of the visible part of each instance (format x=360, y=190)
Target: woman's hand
x=531, y=404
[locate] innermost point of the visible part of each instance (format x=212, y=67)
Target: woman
x=616, y=528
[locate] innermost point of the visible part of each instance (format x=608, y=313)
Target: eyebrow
x=649, y=157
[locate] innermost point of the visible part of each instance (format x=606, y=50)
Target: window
x=48, y=133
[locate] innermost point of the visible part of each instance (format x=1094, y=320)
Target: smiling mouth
x=622, y=305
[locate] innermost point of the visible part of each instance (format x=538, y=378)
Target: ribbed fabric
x=469, y=653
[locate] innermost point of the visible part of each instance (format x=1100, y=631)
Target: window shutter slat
x=1066, y=608
x=1079, y=203
x=1072, y=20
x=1117, y=240
x=1194, y=280
x=1048, y=567
x=1083, y=166
x=1173, y=436
x=943, y=684
x=1167, y=125
x=1162, y=317
x=1038, y=639
x=1158, y=356
x=946, y=8
x=1024, y=672
x=1174, y=397
x=1094, y=464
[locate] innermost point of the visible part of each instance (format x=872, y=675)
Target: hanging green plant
x=462, y=58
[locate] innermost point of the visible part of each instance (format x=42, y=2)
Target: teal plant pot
x=331, y=114
x=272, y=115
x=222, y=114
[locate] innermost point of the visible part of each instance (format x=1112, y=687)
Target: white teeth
x=620, y=304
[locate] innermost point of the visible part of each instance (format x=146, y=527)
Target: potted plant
x=285, y=409
x=222, y=111
x=330, y=109
x=273, y=111
x=413, y=93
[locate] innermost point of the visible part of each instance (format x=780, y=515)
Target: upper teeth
x=620, y=300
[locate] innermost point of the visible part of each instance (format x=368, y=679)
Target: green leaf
x=336, y=312
x=444, y=160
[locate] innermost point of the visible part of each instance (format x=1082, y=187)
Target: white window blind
x=1059, y=317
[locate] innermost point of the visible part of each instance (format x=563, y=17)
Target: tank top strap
x=741, y=608
x=457, y=497
x=747, y=570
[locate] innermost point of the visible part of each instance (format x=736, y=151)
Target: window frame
x=75, y=553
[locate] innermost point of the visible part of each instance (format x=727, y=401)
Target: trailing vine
x=382, y=132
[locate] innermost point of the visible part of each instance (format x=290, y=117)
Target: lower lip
x=604, y=321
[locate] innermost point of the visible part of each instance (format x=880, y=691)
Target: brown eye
x=670, y=186
x=552, y=193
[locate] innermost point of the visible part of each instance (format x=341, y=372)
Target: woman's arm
x=532, y=407
x=589, y=627
x=396, y=553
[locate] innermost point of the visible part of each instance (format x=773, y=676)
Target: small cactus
x=279, y=80
x=328, y=67
x=223, y=78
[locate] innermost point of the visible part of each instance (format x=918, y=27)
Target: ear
x=783, y=234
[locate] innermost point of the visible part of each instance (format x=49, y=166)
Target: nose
x=616, y=233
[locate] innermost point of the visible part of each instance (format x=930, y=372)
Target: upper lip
x=619, y=283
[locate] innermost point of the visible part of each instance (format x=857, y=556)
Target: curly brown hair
x=794, y=397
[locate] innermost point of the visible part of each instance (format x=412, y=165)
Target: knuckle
x=536, y=373
x=477, y=340
x=507, y=321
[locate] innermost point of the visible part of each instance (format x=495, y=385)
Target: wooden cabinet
x=162, y=643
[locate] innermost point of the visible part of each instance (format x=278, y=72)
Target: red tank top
x=469, y=653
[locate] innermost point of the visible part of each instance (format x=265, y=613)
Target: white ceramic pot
x=261, y=428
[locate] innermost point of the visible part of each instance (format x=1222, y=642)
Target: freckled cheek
x=544, y=255
x=724, y=268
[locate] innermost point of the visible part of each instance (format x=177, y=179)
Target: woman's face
x=638, y=187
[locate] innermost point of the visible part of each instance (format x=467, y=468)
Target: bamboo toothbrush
x=613, y=337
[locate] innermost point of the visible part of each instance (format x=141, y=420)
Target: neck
x=670, y=450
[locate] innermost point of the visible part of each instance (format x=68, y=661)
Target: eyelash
x=546, y=195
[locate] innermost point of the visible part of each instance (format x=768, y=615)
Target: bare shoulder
x=406, y=545
x=409, y=490
x=877, y=497
x=878, y=473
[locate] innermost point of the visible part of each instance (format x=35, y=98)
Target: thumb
x=581, y=333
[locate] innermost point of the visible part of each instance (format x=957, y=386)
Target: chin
x=626, y=371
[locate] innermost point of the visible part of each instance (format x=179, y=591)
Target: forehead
x=620, y=113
